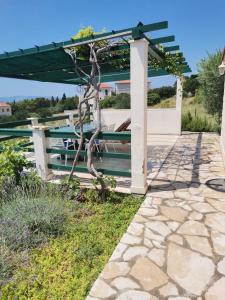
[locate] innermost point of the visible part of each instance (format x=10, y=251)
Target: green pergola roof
x=51, y=63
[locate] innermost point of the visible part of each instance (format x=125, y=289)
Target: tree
x=211, y=83
x=153, y=98
x=191, y=84
x=63, y=98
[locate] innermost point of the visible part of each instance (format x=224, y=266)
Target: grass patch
x=66, y=266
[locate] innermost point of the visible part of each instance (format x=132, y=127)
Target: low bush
x=12, y=164
x=153, y=98
x=197, y=123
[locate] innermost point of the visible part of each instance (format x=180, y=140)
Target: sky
x=198, y=26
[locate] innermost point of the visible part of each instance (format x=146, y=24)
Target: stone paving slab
x=175, y=246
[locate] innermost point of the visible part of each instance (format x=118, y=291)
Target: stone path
x=175, y=246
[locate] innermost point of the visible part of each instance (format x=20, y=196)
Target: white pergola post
x=70, y=121
x=179, y=99
x=222, y=134
x=138, y=90
x=41, y=157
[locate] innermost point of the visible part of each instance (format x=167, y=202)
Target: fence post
x=138, y=87
x=179, y=99
x=70, y=121
x=41, y=157
x=34, y=121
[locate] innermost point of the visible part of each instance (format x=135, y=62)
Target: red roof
x=123, y=81
x=105, y=86
x=3, y=104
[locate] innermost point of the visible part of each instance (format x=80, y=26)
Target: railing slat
x=81, y=169
x=96, y=154
x=15, y=132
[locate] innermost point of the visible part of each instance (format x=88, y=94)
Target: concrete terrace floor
x=175, y=246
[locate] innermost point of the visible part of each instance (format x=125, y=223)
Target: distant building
x=105, y=90
x=123, y=86
x=5, y=109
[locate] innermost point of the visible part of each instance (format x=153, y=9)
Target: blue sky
x=198, y=25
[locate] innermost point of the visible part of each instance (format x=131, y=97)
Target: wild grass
x=54, y=248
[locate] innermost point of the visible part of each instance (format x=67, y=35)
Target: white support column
x=70, y=121
x=34, y=121
x=179, y=99
x=138, y=90
x=222, y=134
x=41, y=157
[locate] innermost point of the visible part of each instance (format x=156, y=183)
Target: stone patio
x=175, y=246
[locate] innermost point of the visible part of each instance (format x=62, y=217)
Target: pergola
x=130, y=60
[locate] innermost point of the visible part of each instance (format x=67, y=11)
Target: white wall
x=160, y=121
x=5, y=111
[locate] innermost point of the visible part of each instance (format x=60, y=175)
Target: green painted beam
x=171, y=48
x=15, y=132
x=15, y=124
x=111, y=172
x=164, y=39
x=6, y=138
x=114, y=136
x=84, y=153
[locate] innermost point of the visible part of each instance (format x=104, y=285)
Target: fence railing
x=43, y=152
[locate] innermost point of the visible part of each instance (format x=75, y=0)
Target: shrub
x=122, y=101
x=197, y=123
x=31, y=214
x=153, y=98
x=211, y=83
x=12, y=164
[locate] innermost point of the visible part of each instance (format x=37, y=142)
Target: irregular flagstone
x=130, y=239
x=203, y=207
x=193, y=228
x=221, y=266
x=179, y=298
x=195, y=216
x=218, y=240
x=147, y=212
x=216, y=291
x=135, y=229
x=136, y=295
x=219, y=205
x=189, y=269
x=159, y=227
x=174, y=213
x=148, y=243
x=168, y=290
x=122, y=283
x=102, y=290
x=176, y=239
x=120, y=249
x=173, y=225
x=200, y=244
x=148, y=274
x=216, y=221
x=180, y=211
x=115, y=269
x=134, y=251
x=152, y=236
x=157, y=256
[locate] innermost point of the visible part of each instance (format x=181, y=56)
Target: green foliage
x=120, y=101
x=197, y=123
x=153, y=98
x=12, y=164
x=40, y=107
x=211, y=83
x=191, y=84
x=68, y=264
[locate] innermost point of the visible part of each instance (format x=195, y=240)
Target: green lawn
x=66, y=267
